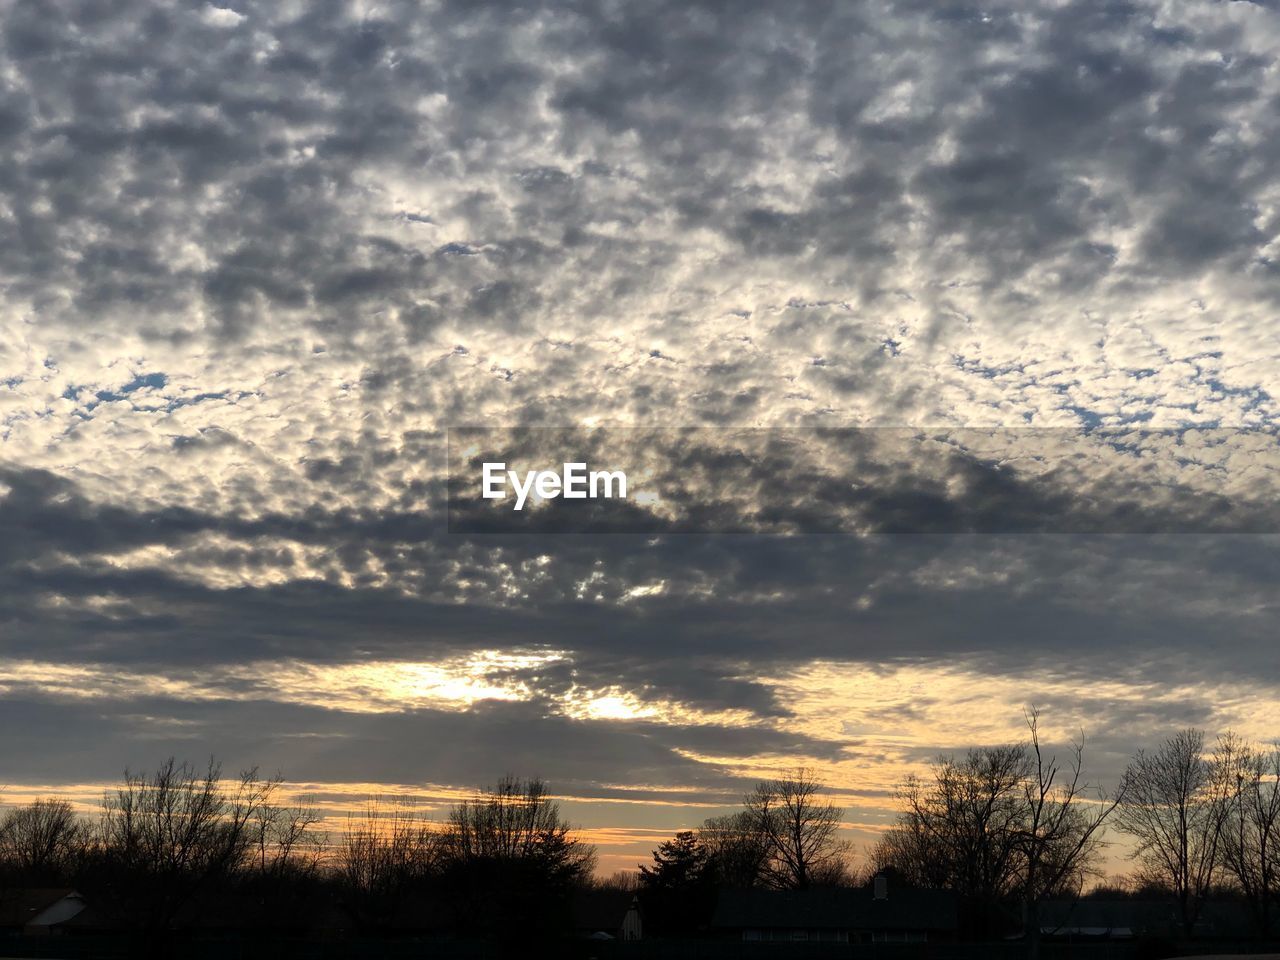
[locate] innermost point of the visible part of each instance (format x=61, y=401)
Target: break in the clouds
x=256, y=259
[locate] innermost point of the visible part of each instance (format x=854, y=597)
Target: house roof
x=836, y=908
x=18, y=905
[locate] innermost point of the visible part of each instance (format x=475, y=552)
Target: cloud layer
x=256, y=260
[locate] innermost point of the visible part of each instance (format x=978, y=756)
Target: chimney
x=882, y=887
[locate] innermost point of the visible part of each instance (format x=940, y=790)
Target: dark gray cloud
x=730, y=601
x=875, y=481
x=78, y=741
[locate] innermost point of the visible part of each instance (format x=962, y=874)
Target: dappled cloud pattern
x=257, y=259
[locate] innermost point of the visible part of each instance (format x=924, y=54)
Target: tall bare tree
x=1175, y=806
x=799, y=830
x=1251, y=832
x=961, y=826
x=1061, y=832
x=1002, y=824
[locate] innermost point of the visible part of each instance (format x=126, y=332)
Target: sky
x=257, y=260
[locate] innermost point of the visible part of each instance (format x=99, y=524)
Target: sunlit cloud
x=373, y=687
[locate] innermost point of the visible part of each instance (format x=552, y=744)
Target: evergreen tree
x=678, y=890
x=678, y=864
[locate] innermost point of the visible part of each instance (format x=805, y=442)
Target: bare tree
x=799, y=831
x=509, y=855
x=286, y=841
x=1003, y=824
x=737, y=854
x=517, y=821
x=1061, y=831
x=961, y=827
x=174, y=831
x=1251, y=833
x=385, y=853
x=1175, y=806
x=39, y=842
x=910, y=849
x=623, y=881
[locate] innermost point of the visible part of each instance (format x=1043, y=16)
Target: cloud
x=257, y=260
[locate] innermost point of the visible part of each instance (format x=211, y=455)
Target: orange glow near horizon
x=867, y=727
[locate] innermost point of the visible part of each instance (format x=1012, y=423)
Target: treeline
x=187, y=850
x=1006, y=828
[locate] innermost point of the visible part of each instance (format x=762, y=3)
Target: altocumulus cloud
x=256, y=258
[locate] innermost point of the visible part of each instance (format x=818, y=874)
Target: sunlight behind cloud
x=370, y=687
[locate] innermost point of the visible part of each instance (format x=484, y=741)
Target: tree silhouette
x=1059, y=836
x=509, y=859
x=678, y=889
x=167, y=835
x=41, y=842
x=1175, y=806
x=798, y=829
x=1002, y=824
x=737, y=852
x=385, y=854
x=1251, y=834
